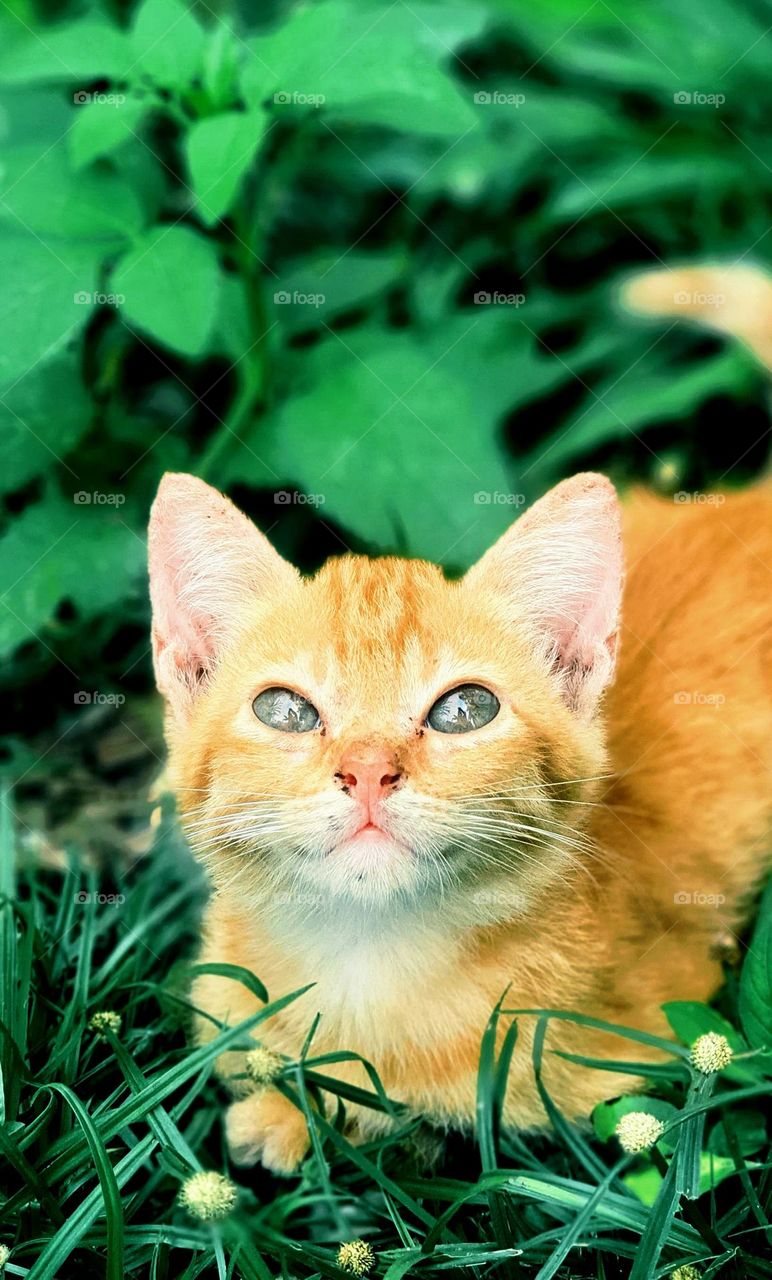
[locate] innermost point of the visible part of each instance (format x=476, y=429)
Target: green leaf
x=219, y=71
x=42, y=416
x=80, y=51
x=35, y=114
x=40, y=193
x=748, y=1127
x=367, y=66
x=108, y=1183
x=100, y=127
x=49, y=555
x=437, y=483
x=237, y=973
x=659, y=1224
x=756, y=980
x=39, y=285
x=690, y=1019
x=644, y=1183
x=219, y=151
x=170, y=282
x=648, y=395
x=313, y=288
x=167, y=42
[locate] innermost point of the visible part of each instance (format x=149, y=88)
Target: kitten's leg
x=266, y=1126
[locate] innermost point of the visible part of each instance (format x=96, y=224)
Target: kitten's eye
x=284, y=709
x=470, y=706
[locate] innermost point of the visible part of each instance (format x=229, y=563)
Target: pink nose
x=369, y=781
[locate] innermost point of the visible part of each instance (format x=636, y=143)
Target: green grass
x=98, y=1133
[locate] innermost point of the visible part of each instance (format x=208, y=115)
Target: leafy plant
x=259, y=248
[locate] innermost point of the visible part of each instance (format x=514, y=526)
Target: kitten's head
x=377, y=733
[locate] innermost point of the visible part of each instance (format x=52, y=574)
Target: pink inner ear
x=560, y=569
x=582, y=518
x=206, y=561
x=596, y=604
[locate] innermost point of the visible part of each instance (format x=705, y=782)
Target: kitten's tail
x=731, y=299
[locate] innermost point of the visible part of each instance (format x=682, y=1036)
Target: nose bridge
x=371, y=750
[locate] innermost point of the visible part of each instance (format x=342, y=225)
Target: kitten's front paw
x=266, y=1126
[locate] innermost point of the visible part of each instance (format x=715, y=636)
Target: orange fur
x=655, y=798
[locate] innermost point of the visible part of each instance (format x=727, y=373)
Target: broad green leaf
x=100, y=128
x=311, y=289
x=167, y=42
x=64, y=550
x=42, y=417
x=40, y=193
x=80, y=51
x=39, y=288
x=360, y=64
x=219, y=151
x=38, y=114
x=646, y=1182
x=756, y=980
x=170, y=282
x=690, y=1019
x=398, y=441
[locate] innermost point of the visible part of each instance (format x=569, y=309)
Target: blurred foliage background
x=359, y=266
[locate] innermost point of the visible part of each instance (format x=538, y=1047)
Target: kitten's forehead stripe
x=377, y=605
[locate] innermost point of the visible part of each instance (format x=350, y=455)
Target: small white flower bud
x=638, y=1130
x=711, y=1052
x=208, y=1196
x=356, y=1257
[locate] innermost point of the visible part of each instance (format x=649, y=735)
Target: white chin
x=370, y=863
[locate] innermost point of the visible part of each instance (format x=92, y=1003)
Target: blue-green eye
x=468, y=707
x=286, y=710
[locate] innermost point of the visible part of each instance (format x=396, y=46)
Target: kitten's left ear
x=206, y=561
x=558, y=571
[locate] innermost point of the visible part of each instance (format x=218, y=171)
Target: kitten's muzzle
x=369, y=780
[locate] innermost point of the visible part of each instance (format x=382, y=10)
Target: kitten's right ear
x=558, y=572
x=205, y=559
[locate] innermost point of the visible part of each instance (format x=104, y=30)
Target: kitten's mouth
x=371, y=843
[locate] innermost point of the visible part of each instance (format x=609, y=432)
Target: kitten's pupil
x=468, y=707
x=286, y=710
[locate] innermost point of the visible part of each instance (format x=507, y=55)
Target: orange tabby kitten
x=417, y=793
